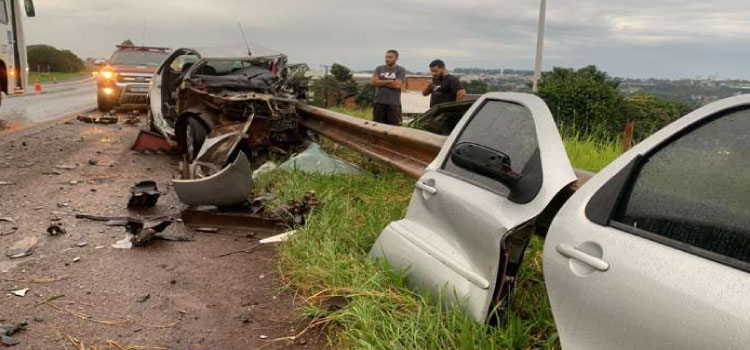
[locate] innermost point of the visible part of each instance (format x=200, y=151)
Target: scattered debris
x=145, y=231
x=143, y=298
x=315, y=160
x=278, y=238
x=144, y=195
x=56, y=230
x=207, y=229
x=81, y=245
x=140, y=231
x=65, y=166
x=51, y=173
x=149, y=141
x=22, y=248
x=5, y=183
x=266, y=168
x=255, y=217
x=93, y=162
x=125, y=243
x=6, y=219
x=105, y=119
x=6, y=331
x=227, y=188
x=20, y=292
x=76, y=259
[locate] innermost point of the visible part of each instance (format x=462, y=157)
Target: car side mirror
x=29, y=7
x=485, y=161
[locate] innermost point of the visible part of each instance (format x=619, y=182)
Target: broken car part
x=229, y=187
x=477, y=270
x=257, y=218
x=149, y=141
x=55, y=230
x=207, y=93
x=143, y=195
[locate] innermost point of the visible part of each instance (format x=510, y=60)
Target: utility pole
x=539, y=45
x=325, y=83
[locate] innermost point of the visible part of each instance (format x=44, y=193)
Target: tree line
x=48, y=58
x=585, y=102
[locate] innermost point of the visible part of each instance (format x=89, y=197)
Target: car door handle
x=425, y=187
x=571, y=252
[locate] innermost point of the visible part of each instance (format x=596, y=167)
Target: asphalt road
x=170, y=295
x=53, y=102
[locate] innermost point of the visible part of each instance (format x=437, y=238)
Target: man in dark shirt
x=388, y=80
x=444, y=87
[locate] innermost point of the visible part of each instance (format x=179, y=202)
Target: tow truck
x=125, y=78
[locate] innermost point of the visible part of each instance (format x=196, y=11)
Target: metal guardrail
x=409, y=150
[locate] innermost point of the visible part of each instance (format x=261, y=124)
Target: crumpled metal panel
x=229, y=187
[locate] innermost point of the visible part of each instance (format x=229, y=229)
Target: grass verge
x=329, y=258
x=48, y=77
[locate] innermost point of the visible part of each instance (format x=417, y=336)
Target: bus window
x=3, y=12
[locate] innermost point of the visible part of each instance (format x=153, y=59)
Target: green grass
x=359, y=113
x=329, y=258
x=47, y=77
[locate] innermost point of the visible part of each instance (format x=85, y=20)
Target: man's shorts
x=387, y=114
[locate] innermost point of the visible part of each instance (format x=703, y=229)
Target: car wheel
x=195, y=133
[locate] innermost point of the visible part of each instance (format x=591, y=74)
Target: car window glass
x=503, y=126
x=696, y=190
x=3, y=12
x=180, y=61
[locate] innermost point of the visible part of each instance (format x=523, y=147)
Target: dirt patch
x=175, y=295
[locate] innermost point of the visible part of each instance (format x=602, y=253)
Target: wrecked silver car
x=218, y=103
x=196, y=91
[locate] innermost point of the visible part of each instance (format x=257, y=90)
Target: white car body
x=653, y=252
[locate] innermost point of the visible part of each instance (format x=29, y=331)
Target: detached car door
x=654, y=251
x=500, y=167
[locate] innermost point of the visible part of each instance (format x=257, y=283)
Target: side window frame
x=5, y=19
x=611, y=200
x=532, y=168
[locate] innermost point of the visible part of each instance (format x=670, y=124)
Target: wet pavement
x=54, y=101
x=170, y=295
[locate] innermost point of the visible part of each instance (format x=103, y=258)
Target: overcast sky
x=627, y=38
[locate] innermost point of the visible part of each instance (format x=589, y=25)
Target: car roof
x=232, y=51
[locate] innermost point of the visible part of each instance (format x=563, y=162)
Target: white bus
x=14, y=75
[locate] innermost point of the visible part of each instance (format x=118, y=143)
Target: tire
x=103, y=104
x=195, y=134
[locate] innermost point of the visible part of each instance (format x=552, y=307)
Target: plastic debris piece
x=266, y=168
x=278, y=238
x=124, y=243
x=144, y=195
x=56, y=230
x=20, y=292
x=22, y=248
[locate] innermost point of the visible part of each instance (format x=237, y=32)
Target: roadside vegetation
x=328, y=260
x=49, y=77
